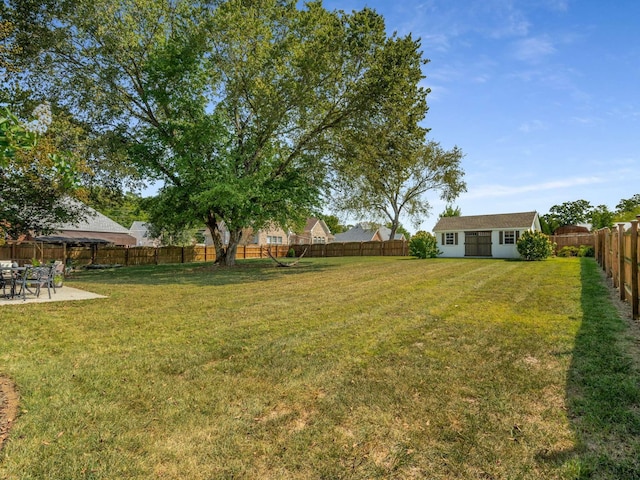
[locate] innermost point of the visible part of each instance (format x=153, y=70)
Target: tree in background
x=385, y=165
x=628, y=209
x=35, y=177
x=123, y=208
x=569, y=213
x=235, y=106
x=601, y=217
x=450, y=211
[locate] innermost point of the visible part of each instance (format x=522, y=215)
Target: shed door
x=477, y=244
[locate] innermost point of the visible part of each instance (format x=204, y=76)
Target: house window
x=273, y=240
x=450, y=238
x=319, y=240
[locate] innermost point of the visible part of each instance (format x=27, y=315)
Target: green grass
x=342, y=368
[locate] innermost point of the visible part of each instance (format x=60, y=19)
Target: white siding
x=497, y=250
x=451, y=251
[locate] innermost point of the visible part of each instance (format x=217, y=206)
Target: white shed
x=484, y=235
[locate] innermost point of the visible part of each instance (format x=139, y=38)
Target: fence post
x=621, y=260
x=634, y=268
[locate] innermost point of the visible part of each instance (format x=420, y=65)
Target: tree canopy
x=236, y=106
x=385, y=164
x=35, y=177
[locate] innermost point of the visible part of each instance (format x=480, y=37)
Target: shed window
x=450, y=238
x=509, y=237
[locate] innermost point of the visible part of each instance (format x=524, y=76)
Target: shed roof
x=487, y=222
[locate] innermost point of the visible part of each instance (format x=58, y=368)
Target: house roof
x=93, y=228
x=82, y=238
x=359, y=233
x=312, y=222
x=356, y=234
x=94, y=221
x=385, y=233
x=487, y=222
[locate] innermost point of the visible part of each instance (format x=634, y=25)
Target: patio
x=63, y=294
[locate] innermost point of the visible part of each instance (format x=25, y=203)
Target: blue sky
x=542, y=96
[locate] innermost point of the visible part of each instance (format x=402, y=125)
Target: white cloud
x=534, y=49
x=533, y=126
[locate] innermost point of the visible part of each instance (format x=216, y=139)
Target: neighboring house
x=140, y=231
x=315, y=232
x=95, y=228
x=484, y=235
x=270, y=236
x=385, y=233
x=360, y=233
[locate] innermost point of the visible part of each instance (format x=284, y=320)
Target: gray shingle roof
x=94, y=222
x=356, y=234
x=486, y=222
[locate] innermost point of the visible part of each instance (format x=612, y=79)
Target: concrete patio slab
x=62, y=295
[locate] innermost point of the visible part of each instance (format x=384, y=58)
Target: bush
x=586, y=251
x=534, y=246
x=291, y=253
x=423, y=245
x=568, y=251
x=581, y=251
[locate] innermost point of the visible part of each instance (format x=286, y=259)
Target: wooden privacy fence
x=390, y=248
x=617, y=254
x=106, y=255
x=573, y=240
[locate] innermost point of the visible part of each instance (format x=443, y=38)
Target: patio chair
x=6, y=279
x=3, y=283
x=57, y=269
x=32, y=281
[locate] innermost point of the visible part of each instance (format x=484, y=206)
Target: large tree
x=628, y=209
x=35, y=177
x=230, y=104
x=386, y=166
x=568, y=213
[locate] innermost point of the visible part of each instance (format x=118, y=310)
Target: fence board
x=617, y=254
x=129, y=256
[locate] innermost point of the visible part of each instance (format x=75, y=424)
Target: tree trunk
x=225, y=253
x=394, y=227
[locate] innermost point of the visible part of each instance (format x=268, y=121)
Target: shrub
x=534, y=246
x=568, y=251
x=581, y=251
x=423, y=245
x=586, y=251
x=291, y=253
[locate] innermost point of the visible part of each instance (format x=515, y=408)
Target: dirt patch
x=8, y=407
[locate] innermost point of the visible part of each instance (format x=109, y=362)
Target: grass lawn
x=354, y=368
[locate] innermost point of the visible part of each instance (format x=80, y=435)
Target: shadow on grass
x=200, y=274
x=603, y=389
